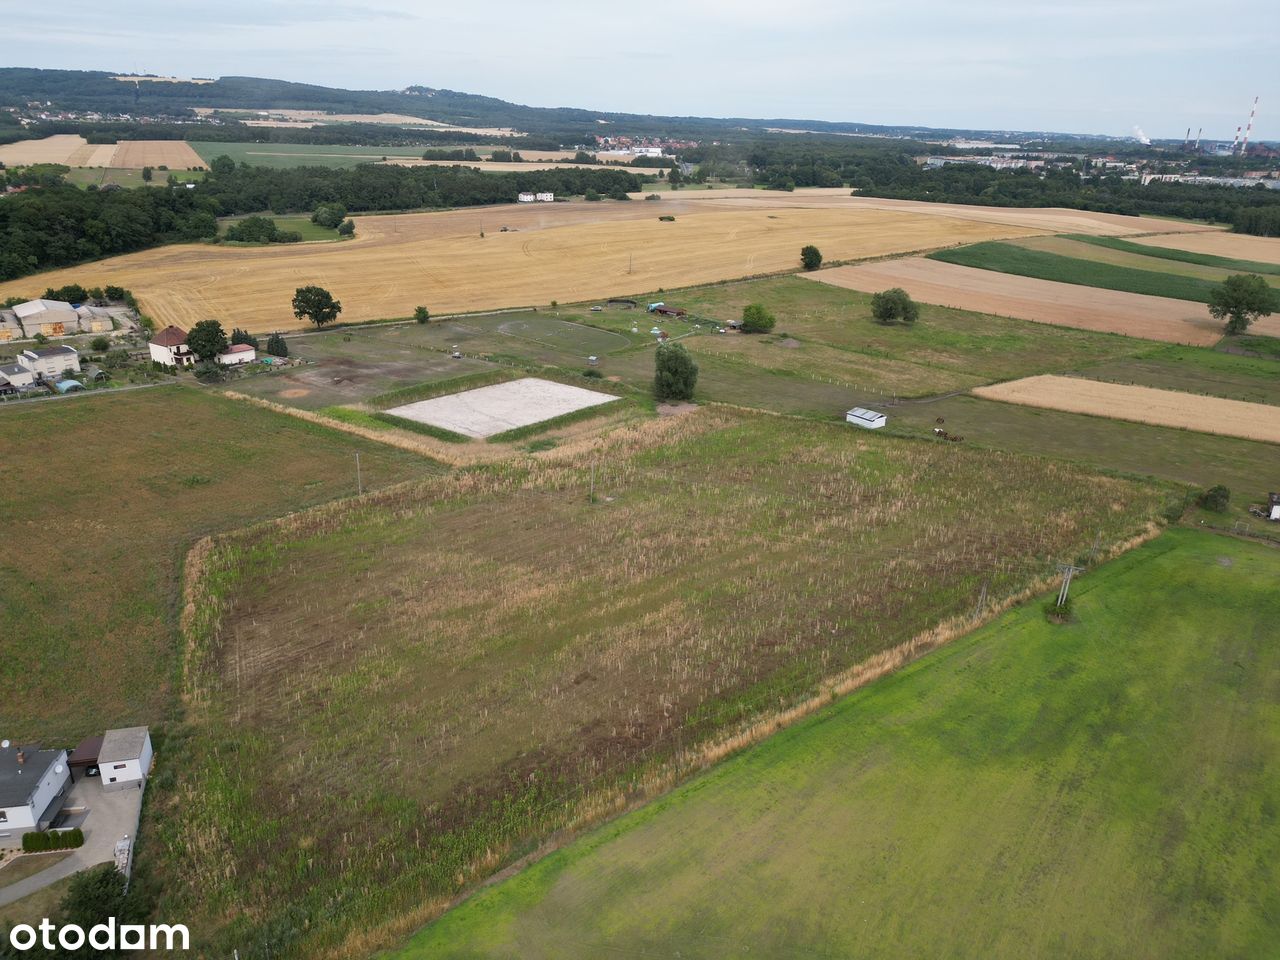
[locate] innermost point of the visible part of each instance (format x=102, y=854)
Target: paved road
x=111, y=816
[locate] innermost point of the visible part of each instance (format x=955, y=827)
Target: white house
x=867, y=419
x=125, y=758
x=647, y=151
x=17, y=376
x=547, y=197
x=237, y=354
x=50, y=362
x=33, y=786
x=169, y=348
x=525, y=197
x=53, y=318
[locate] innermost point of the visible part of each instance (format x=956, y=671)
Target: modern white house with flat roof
x=33, y=786
x=124, y=760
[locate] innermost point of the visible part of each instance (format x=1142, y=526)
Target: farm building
x=51, y=318
x=665, y=311
x=867, y=419
x=10, y=329
x=50, y=362
x=1273, y=506
x=94, y=319
x=525, y=197
x=237, y=354
x=169, y=348
x=125, y=758
x=33, y=786
x=546, y=197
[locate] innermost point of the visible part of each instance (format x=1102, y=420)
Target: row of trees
x=57, y=225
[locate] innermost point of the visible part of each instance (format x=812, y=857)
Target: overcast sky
x=1095, y=66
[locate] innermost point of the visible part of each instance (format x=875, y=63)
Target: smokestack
x=1187, y=139
x=1244, y=147
x=1198, y=132
x=1236, y=142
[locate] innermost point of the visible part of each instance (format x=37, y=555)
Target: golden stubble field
x=1167, y=408
x=567, y=252
x=1221, y=244
x=74, y=151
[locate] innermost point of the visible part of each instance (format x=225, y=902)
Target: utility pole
x=1067, y=570
x=592, y=497
x=359, y=479
x=982, y=601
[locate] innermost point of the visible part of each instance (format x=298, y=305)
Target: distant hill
x=98, y=90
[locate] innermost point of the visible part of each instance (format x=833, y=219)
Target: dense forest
x=97, y=90
x=54, y=224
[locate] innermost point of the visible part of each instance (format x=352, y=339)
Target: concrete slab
x=504, y=406
x=108, y=818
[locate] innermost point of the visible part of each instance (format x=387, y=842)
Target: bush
x=810, y=257
x=37, y=842
x=347, y=228
x=276, y=346
x=756, y=319
x=591, y=195
x=1059, y=614
x=593, y=374
x=1216, y=499
x=894, y=305
x=421, y=314
x=100, y=344
x=667, y=218
x=675, y=373
x=329, y=215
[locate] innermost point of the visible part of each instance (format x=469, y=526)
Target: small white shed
x=125, y=758
x=867, y=419
x=1273, y=504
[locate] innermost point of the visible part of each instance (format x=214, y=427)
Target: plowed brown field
x=1045, y=301
x=1167, y=408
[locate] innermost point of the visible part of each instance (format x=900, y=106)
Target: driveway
x=109, y=817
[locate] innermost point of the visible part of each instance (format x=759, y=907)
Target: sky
x=1084, y=66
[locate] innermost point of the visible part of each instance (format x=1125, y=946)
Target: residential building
x=525, y=197
x=33, y=786
x=125, y=758
x=49, y=363
x=169, y=348
x=236, y=354
x=547, y=197
x=51, y=318
x=16, y=376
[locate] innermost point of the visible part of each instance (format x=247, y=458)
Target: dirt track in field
x=1044, y=301
x=1221, y=244
x=1167, y=408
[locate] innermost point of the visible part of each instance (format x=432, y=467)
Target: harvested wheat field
x=74, y=151
x=1219, y=243
x=1167, y=408
x=1044, y=301
x=560, y=251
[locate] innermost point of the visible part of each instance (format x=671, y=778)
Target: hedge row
x=37, y=842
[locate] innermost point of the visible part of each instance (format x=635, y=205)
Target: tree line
x=57, y=225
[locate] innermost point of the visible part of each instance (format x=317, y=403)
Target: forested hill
x=98, y=90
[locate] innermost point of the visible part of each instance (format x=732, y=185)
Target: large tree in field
x=894, y=306
x=810, y=257
x=756, y=319
x=315, y=304
x=675, y=373
x=1241, y=299
x=207, y=339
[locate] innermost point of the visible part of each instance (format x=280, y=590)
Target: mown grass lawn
x=1108, y=788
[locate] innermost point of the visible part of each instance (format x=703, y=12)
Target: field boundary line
x=594, y=809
